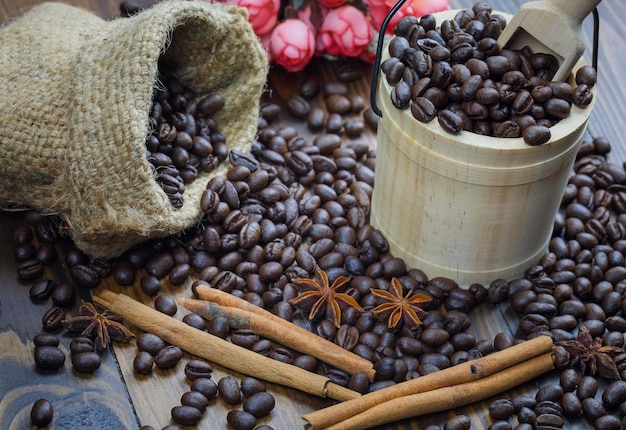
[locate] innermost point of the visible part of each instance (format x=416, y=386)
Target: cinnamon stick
x=283, y=332
x=459, y=374
x=447, y=398
x=219, y=351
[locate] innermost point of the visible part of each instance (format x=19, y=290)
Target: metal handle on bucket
x=398, y=5
x=379, y=52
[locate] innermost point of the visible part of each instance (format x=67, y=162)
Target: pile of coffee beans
x=185, y=139
x=249, y=392
x=457, y=73
x=297, y=202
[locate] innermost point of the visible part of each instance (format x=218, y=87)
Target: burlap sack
x=75, y=97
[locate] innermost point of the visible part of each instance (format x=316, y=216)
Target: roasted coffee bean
x=143, y=363
x=179, y=274
x=593, y=408
x=244, y=337
x=536, y=135
x=501, y=409
x=205, y=386
x=186, y=415
x=550, y=392
x=42, y=290
x=49, y=357
x=259, y=404
x=85, y=276
x=150, y=343
x=459, y=422
x=196, y=321
x=211, y=104
x=46, y=339
x=309, y=88
x=150, y=285
x=298, y=106
x=229, y=390
x=423, y=109
x=63, y=295
x=586, y=75
x=572, y=406
x=250, y=386
x=194, y=399
x=52, y=319
x=24, y=251
x=608, y=422
x=29, y=270
x=159, y=264
x=195, y=369
x=86, y=362
x=168, y=357
x=241, y=420
x=166, y=304
x=41, y=413
x=81, y=344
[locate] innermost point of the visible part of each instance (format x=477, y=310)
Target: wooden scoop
x=550, y=27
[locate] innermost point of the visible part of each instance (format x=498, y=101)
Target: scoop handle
x=575, y=11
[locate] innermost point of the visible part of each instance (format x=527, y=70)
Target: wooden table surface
x=115, y=398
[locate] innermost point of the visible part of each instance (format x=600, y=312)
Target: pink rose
x=345, y=31
x=262, y=14
x=292, y=44
x=380, y=8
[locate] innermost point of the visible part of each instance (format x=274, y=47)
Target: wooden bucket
x=468, y=207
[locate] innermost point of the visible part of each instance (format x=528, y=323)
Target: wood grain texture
x=114, y=397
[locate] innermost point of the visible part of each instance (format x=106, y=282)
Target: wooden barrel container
x=468, y=207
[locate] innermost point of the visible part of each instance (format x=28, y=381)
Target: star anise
x=588, y=353
x=397, y=307
x=327, y=299
x=104, y=327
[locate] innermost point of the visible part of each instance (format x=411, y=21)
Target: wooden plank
x=98, y=401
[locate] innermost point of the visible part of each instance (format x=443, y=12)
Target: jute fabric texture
x=75, y=99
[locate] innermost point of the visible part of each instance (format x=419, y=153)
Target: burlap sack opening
x=75, y=97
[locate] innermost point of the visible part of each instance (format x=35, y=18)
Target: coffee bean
x=205, y=386
x=42, y=290
x=198, y=369
x=229, y=390
x=49, y=357
x=166, y=304
x=298, y=106
x=46, y=339
x=150, y=343
x=41, y=413
x=259, y=404
x=81, y=344
x=85, y=276
x=143, y=363
x=63, y=295
x=29, y=270
x=150, y=285
x=250, y=386
x=52, y=319
x=186, y=415
x=168, y=357
x=195, y=399
x=86, y=362
x=241, y=420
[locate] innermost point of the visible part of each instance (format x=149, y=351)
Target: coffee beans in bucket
x=458, y=74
